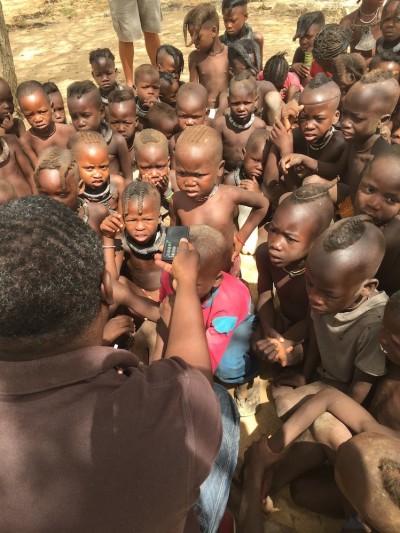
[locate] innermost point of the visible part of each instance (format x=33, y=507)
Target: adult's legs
x=126, y=54
x=152, y=42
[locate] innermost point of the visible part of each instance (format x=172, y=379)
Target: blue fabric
x=224, y=324
x=214, y=491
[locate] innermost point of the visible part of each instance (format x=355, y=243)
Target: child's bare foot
x=247, y=397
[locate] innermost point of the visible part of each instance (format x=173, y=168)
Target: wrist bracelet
x=108, y=247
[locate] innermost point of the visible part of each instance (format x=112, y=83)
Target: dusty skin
x=51, y=40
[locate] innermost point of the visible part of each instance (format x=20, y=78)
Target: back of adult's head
x=51, y=268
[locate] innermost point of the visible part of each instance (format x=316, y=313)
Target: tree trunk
x=7, y=68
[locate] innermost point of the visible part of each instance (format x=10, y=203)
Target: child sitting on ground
x=208, y=64
x=104, y=74
x=56, y=101
x=201, y=200
x=87, y=113
x=57, y=176
x=147, y=87
x=15, y=167
x=8, y=123
x=100, y=186
x=122, y=117
x=346, y=310
x=298, y=220
x=378, y=196
x=308, y=27
x=248, y=175
x=276, y=71
x=169, y=86
x=235, y=15
x=315, y=136
x=44, y=132
x=390, y=39
x=237, y=125
x=346, y=418
x=228, y=321
x=170, y=59
x=163, y=118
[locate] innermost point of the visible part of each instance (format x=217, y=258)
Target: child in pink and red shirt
x=276, y=71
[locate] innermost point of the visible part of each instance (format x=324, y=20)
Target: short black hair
x=50, y=87
x=345, y=234
x=386, y=56
x=168, y=77
x=51, y=268
x=306, y=20
x=78, y=89
x=230, y=4
x=26, y=88
x=124, y=95
x=100, y=53
x=319, y=80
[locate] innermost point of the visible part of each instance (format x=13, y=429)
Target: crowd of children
x=294, y=161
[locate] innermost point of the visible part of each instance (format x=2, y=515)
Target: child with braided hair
x=347, y=69
x=208, y=64
x=169, y=86
x=331, y=41
x=104, y=72
x=91, y=153
x=308, y=27
x=170, y=59
x=162, y=117
x=57, y=176
x=276, y=70
x=235, y=15
x=87, y=113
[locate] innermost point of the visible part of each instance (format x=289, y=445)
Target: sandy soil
x=51, y=40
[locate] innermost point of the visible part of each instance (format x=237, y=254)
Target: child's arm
x=259, y=39
x=139, y=305
x=110, y=227
x=361, y=385
x=173, y=212
x=27, y=148
x=25, y=165
x=260, y=206
x=119, y=184
x=193, y=72
x=20, y=127
x=192, y=346
x=124, y=159
x=321, y=168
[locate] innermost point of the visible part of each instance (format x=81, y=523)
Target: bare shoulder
x=12, y=141
x=119, y=140
x=265, y=87
x=97, y=210
x=258, y=37
x=117, y=181
x=65, y=129
x=258, y=123
x=196, y=57
x=228, y=179
x=219, y=123
x=348, y=19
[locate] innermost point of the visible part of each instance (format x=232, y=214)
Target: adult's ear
x=106, y=291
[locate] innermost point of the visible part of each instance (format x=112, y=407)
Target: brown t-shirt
x=84, y=448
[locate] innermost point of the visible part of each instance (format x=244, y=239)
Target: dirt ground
x=51, y=40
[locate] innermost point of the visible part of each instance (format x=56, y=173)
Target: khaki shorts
x=131, y=17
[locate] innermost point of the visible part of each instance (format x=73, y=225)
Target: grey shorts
x=131, y=17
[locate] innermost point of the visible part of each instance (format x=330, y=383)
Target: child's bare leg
x=286, y=398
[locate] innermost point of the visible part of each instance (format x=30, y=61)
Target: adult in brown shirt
x=91, y=440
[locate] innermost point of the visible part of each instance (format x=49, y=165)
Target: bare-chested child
x=100, y=186
x=104, y=73
x=57, y=102
x=378, y=196
x=315, y=137
x=122, y=117
x=191, y=110
x=169, y=86
x=44, y=132
x=298, y=220
x=368, y=478
x=201, y=200
x=208, y=64
x=8, y=123
x=7, y=192
x=87, y=113
x=170, y=59
x=367, y=107
x=237, y=125
x=15, y=166
x=57, y=176
x=248, y=175
x=147, y=86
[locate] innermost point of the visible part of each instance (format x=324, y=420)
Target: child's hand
x=259, y=460
x=251, y=185
x=166, y=309
x=301, y=70
x=291, y=160
x=289, y=113
x=281, y=137
x=185, y=266
x=8, y=122
x=160, y=182
x=274, y=348
x=237, y=248
x=111, y=225
x=116, y=327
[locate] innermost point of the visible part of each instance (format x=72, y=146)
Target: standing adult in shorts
x=130, y=18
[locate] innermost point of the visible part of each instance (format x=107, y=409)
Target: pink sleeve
x=165, y=287
x=217, y=345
